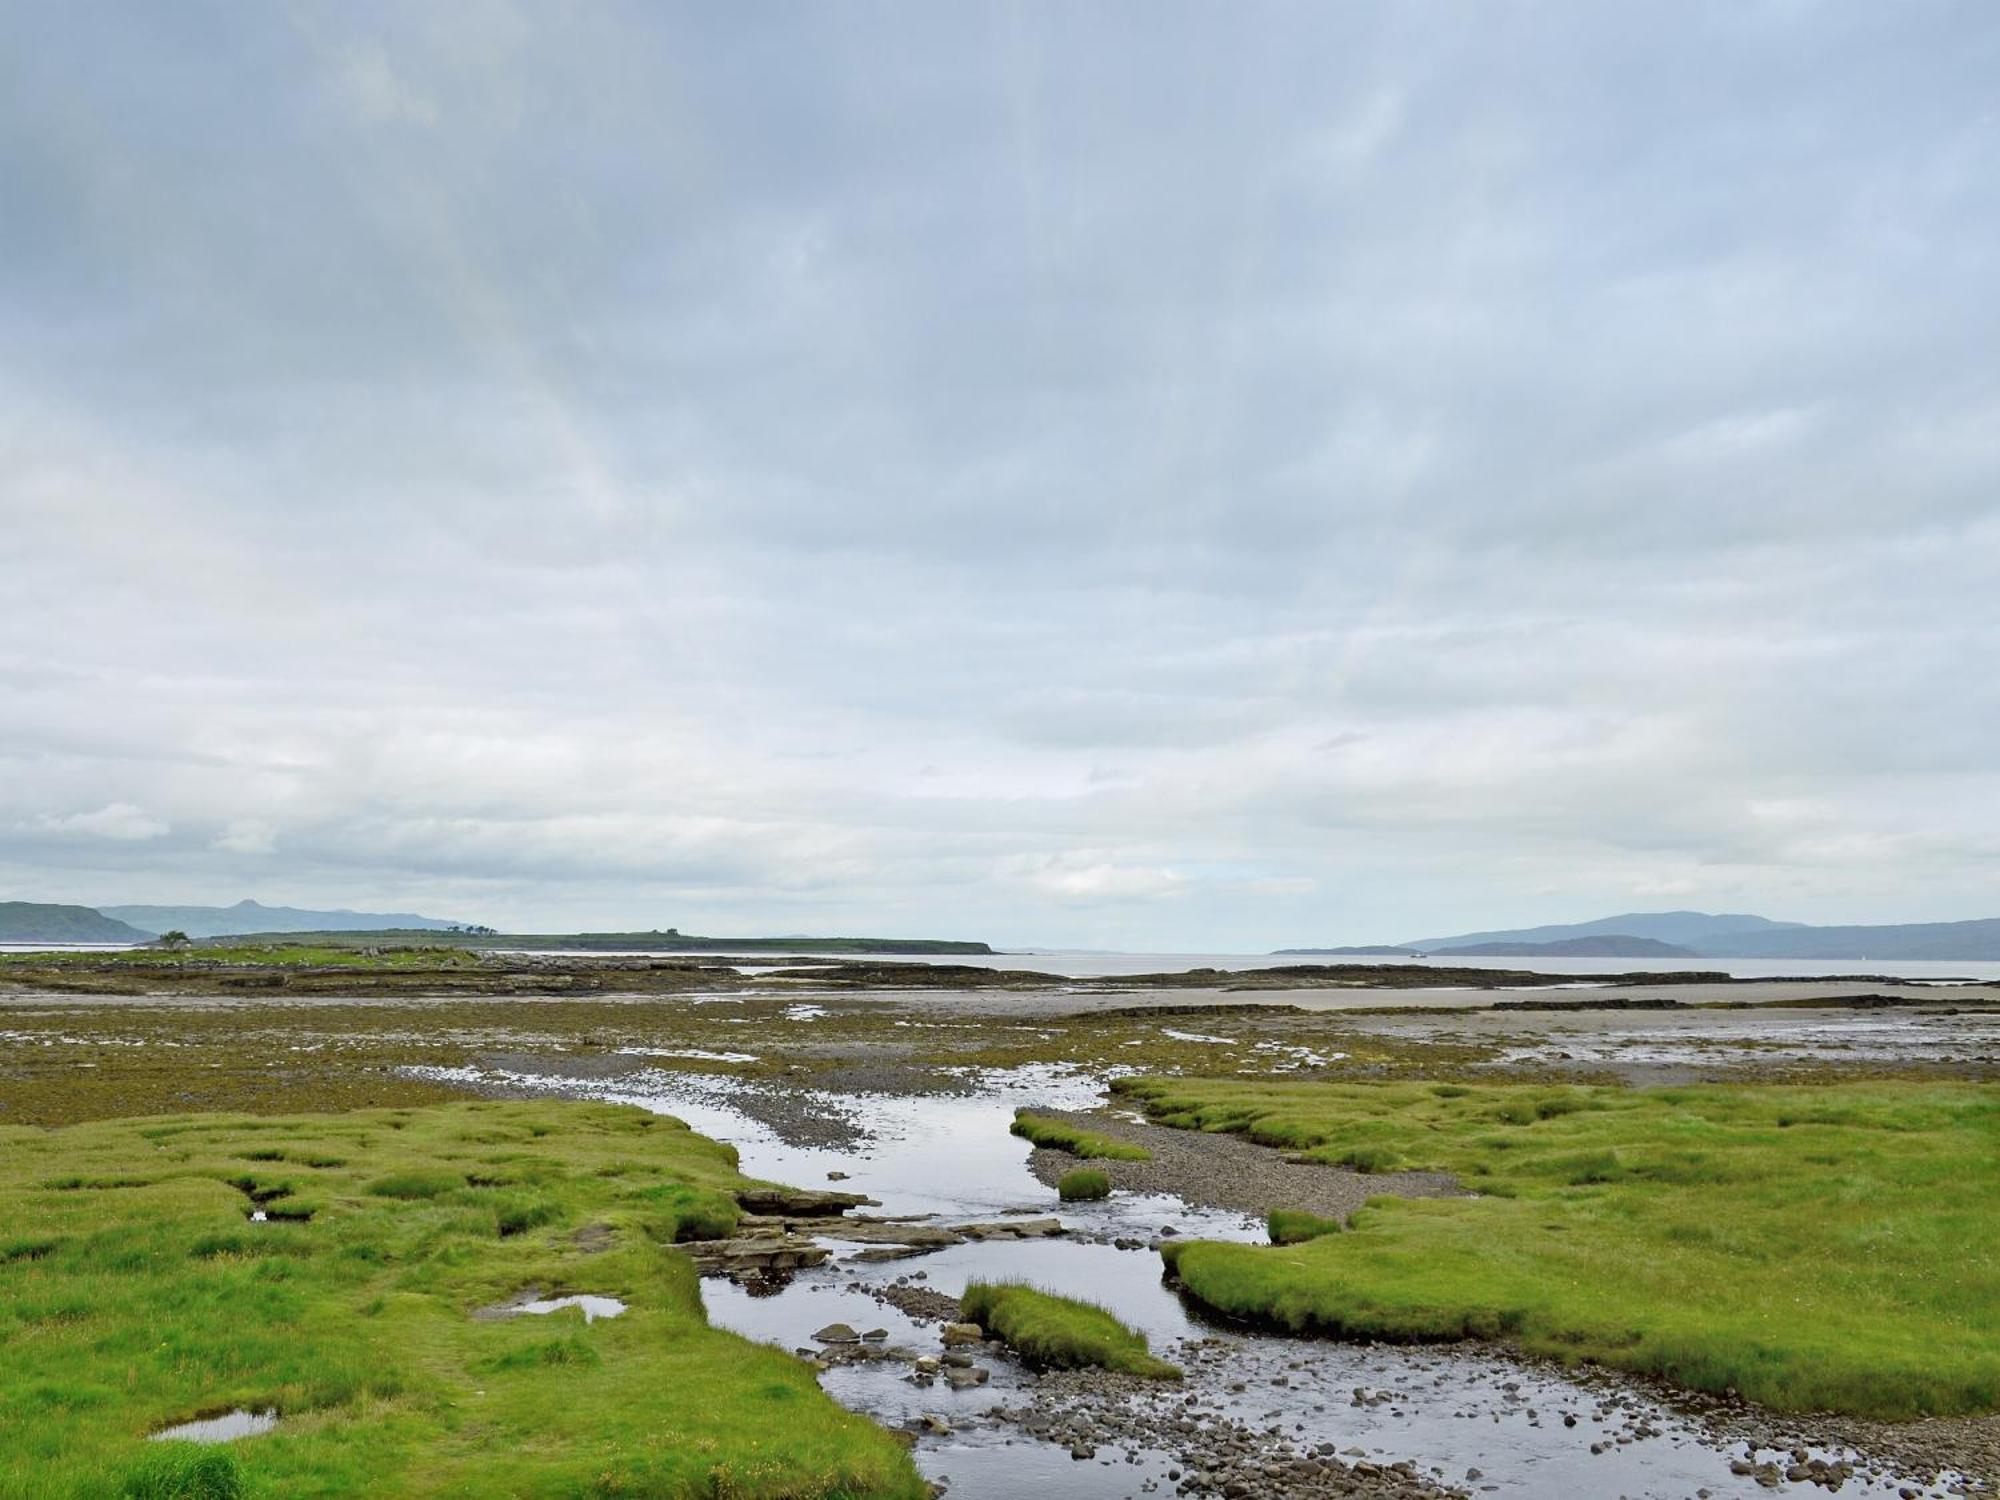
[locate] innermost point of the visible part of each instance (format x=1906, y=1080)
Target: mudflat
x=905, y=1090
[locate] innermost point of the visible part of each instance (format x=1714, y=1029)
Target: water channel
x=1471, y=1420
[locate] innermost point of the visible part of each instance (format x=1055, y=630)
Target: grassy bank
x=1052, y=1332
x=135, y=1291
x=1813, y=1248
x=1063, y=1136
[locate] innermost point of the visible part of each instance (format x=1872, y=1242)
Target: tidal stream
x=1468, y=1420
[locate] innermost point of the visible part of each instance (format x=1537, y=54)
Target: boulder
x=735, y=1257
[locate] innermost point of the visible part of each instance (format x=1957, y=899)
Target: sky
x=1137, y=475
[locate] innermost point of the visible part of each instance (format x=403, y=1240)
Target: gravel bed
x=1229, y=1172
x=1215, y=1454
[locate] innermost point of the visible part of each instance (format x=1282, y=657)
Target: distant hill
x=1704, y=932
x=247, y=917
x=1611, y=945
x=1701, y=934
x=46, y=922
x=1940, y=940
x=1365, y=950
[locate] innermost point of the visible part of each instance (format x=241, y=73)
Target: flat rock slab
x=801, y=1202
x=896, y=1252
x=920, y=1236
x=758, y=1253
x=1010, y=1229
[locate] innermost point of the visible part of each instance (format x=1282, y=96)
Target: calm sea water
x=1075, y=965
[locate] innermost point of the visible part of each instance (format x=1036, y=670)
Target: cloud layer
x=1123, y=475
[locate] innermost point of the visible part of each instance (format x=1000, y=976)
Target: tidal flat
x=1395, y=1105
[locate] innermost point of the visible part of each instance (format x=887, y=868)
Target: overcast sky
x=1124, y=475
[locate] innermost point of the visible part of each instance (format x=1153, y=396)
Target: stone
x=961, y=1333
x=885, y=1232
x=800, y=1202
x=837, y=1333
x=1012, y=1229
x=732, y=1257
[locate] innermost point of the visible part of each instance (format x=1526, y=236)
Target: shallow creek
x=1470, y=1421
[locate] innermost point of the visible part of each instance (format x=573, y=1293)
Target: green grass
x=135, y=1292
x=1052, y=1332
x=1082, y=1185
x=185, y=1471
x=1078, y=1142
x=1815, y=1248
x=1288, y=1226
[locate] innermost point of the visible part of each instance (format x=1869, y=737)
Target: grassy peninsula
x=1060, y=1333
x=1060, y=1135
x=366, y=1309
x=1818, y=1248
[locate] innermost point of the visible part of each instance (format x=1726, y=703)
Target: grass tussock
x=1083, y=1185
x=1063, y=1136
x=1289, y=1226
x=1815, y=1248
x=350, y=1312
x=1052, y=1332
x=184, y=1471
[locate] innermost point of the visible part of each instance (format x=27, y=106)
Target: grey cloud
x=620, y=463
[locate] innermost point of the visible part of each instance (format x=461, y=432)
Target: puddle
x=1525, y=1429
x=226, y=1428
x=695, y=1054
x=593, y=1307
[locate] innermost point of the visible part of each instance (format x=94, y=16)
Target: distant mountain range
x=1609, y=945
x=48, y=922
x=1700, y=934
x=1703, y=932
